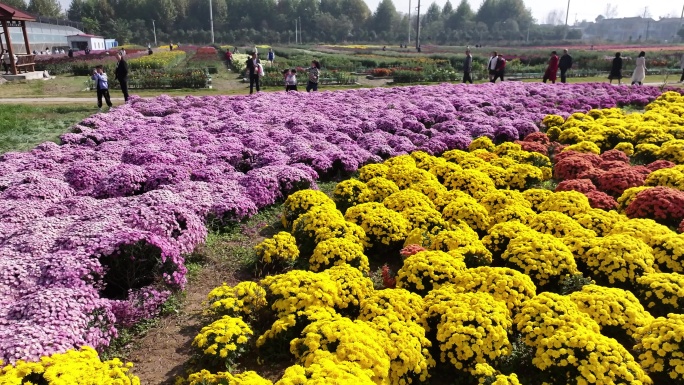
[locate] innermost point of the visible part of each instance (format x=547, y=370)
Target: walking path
x=52, y=100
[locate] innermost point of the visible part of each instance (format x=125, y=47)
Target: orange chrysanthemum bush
x=427, y=270
x=618, y=260
x=544, y=258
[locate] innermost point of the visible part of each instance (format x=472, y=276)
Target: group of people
x=639, y=73
x=256, y=71
x=564, y=63
x=102, y=82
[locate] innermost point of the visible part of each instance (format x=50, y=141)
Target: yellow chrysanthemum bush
x=300, y=202
x=377, y=189
x=401, y=303
x=661, y=293
x=647, y=230
x=618, y=260
x=308, y=227
x=570, y=203
x=443, y=199
x=354, y=288
x=281, y=249
x=500, y=235
x=463, y=240
x=425, y=219
x=668, y=177
x=499, y=175
x=298, y=289
x=431, y=188
x=536, y=197
x=338, y=228
x=348, y=193
x=475, y=183
x=384, y=228
x=423, y=160
x=481, y=143
x=405, y=199
x=426, y=270
x=474, y=214
x=405, y=175
x=668, y=251
x=617, y=311
x=246, y=299
x=347, y=340
x=506, y=285
x=205, y=377
x=599, y=221
x=473, y=328
x=524, y=176
x=484, y=374
x=82, y=367
x=326, y=368
x=513, y=213
x=224, y=340
x=672, y=150
x=336, y=251
x=659, y=349
x=558, y=224
x=370, y=171
x=544, y=258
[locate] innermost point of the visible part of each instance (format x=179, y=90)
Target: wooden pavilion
x=12, y=17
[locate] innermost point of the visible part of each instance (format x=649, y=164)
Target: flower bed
x=493, y=291
x=159, y=60
x=93, y=232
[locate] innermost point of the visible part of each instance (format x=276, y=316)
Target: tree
x=18, y=4
x=49, y=8
x=433, y=14
x=165, y=13
x=555, y=17
x=90, y=25
x=611, y=11
x=463, y=14
x=498, y=11
x=448, y=9
x=385, y=18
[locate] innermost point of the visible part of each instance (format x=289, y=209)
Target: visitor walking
x=102, y=85
x=468, y=68
x=681, y=65
x=491, y=66
x=640, y=71
x=500, y=68
x=290, y=80
x=565, y=64
x=314, y=72
x=229, y=58
x=70, y=53
x=170, y=46
x=271, y=57
x=253, y=65
x=616, y=69
x=121, y=74
x=552, y=68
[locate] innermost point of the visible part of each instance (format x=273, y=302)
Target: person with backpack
x=102, y=87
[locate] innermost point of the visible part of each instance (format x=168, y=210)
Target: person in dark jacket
x=468, y=68
x=253, y=64
x=616, y=69
x=500, y=68
x=564, y=65
x=121, y=74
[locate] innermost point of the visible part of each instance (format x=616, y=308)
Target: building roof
x=8, y=13
x=85, y=35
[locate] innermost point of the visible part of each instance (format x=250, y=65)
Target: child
x=290, y=80
x=102, y=85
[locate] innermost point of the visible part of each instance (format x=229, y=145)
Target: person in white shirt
x=491, y=66
x=290, y=80
x=6, y=61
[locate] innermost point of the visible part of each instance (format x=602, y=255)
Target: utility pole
x=295, y=31
x=567, y=13
x=300, y=30
x=409, y=24
x=418, y=28
x=211, y=21
x=154, y=31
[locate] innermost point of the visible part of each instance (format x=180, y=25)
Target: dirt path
x=161, y=355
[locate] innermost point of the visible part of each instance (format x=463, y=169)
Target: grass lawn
x=22, y=127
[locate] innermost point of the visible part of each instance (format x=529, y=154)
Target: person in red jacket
x=552, y=69
x=500, y=68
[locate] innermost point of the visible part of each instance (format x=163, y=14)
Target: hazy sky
x=583, y=9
